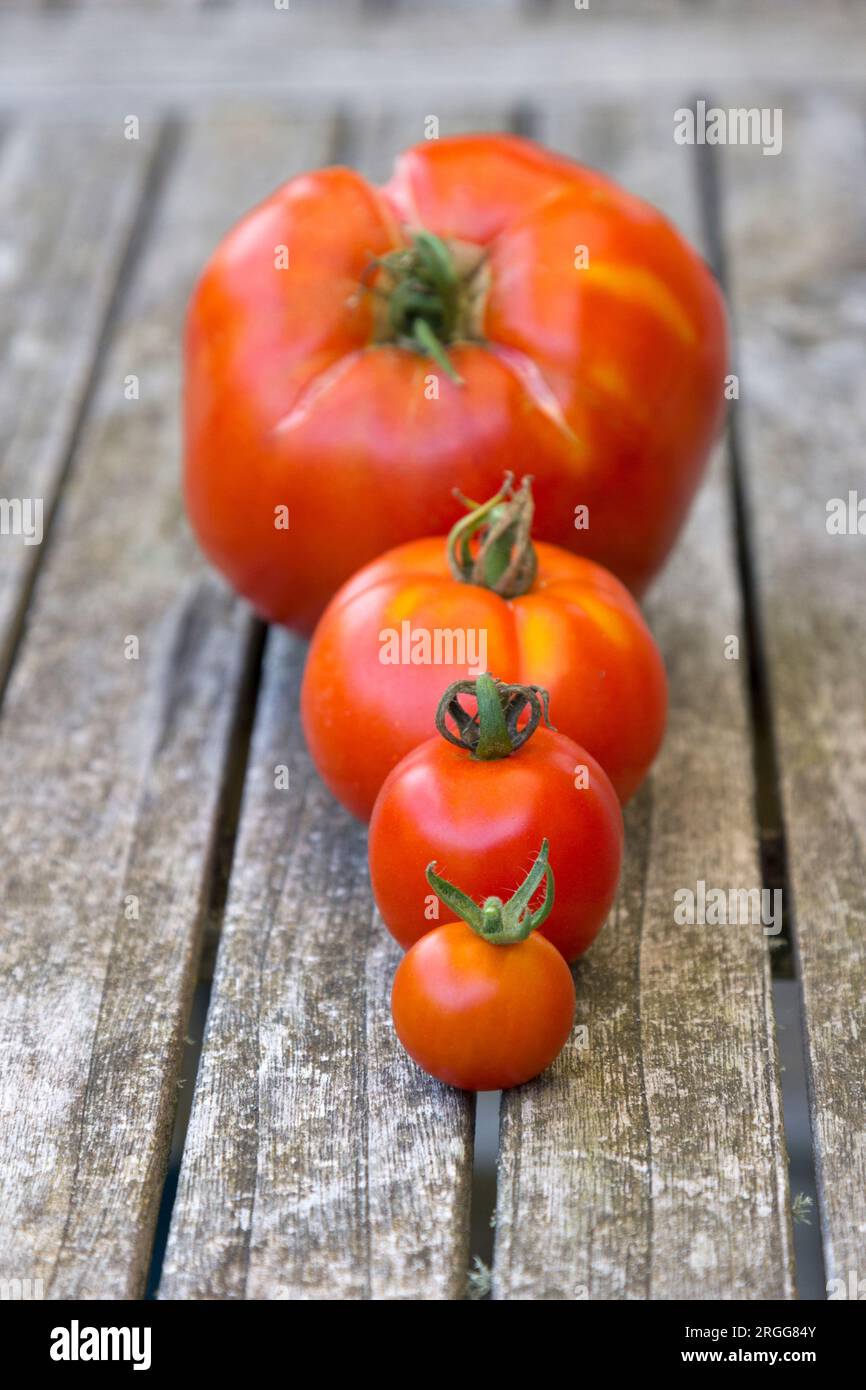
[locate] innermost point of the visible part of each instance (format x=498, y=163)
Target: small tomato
x=485, y=1003
x=481, y=800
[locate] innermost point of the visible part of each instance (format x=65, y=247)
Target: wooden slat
x=111, y=778
x=319, y=1163
x=797, y=233
x=69, y=200
x=650, y=1162
x=99, y=57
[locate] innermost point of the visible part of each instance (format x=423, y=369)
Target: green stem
x=493, y=737
x=492, y=731
x=501, y=923
x=427, y=304
x=504, y=559
x=430, y=344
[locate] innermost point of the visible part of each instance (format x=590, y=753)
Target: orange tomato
x=576, y=631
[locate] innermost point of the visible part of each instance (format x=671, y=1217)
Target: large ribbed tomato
x=322, y=422
x=372, y=684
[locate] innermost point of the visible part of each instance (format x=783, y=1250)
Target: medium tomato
x=528, y=612
x=485, y=1003
x=353, y=353
x=481, y=809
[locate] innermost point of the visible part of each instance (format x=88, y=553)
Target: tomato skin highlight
x=578, y=633
x=609, y=379
x=483, y=822
x=478, y=1016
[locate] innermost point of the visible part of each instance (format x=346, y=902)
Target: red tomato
x=486, y=1003
x=478, y=1016
x=577, y=632
x=483, y=820
x=322, y=426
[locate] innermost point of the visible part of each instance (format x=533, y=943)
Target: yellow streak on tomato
x=543, y=633
x=611, y=379
x=607, y=619
x=634, y=283
x=408, y=598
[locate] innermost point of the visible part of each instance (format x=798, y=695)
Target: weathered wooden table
x=141, y=835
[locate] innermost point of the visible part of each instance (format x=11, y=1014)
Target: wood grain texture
x=472, y=53
x=320, y=1163
x=797, y=255
x=111, y=779
x=650, y=1162
x=69, y=202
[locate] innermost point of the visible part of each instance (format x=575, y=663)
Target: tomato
x=485, y=1003
x=478, y=1016
x=352, y=353
x=483, y=816
x=576, y=631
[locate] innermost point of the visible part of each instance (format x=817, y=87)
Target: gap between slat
x=773, y=846
x=222, y=859
x=769, y=813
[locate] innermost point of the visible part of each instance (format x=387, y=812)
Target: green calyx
x=492, y=731
x=492, y=546
x=501, y=923
x=426, y=302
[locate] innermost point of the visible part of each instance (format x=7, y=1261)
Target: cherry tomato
x=370, y=689
x=353, y=353
x=479, y=1014
x=483, y=819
